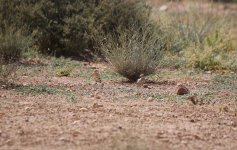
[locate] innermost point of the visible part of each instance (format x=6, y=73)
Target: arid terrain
x=56, y=104
x=43, y=111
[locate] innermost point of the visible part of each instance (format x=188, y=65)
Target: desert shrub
x=69, y=27
x=134, y=51
x=12, y=43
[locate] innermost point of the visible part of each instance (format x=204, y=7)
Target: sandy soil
x=74, y=113
x=115, y=115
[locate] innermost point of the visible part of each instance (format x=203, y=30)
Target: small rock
x=182, y=90
x=83, y=109
x=209, y=72
x=193, y=99
x=138, y=94
x=150, y=99
x=76, y=122
x=97, y=97
x=21, y=132
x=4, y=86
x=9, y=142
x=233, y=124
x=146, y=86
x=96, y=105
x=184, y=142
x=120, y=127
x=64, y=139
x=27, y=109
x=164, y=8
x=224, y=109
x=3, y=96
x=225, y=136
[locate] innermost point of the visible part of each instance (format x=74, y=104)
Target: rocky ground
x=56, y=104
x=44, y=111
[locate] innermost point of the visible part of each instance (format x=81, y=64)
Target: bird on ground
x=96, y=76
x=141, y=80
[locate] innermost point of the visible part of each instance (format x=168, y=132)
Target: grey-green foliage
x=88, y=19
x=195, y=26
x=38, y=89
x=12, y=44
x=134, y=51
x=201, y=38
x=71, y=26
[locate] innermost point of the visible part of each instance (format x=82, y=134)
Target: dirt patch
x=47, y=112
x=74, y=113
x=50, y=122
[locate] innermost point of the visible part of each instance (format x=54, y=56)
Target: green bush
x=69, y=27
x=134, y=51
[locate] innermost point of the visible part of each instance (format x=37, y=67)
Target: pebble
x=9, y=142
x=97, y=97
x=150, y=99
x=83, y=109
x=120, y=127
x=63, y=139
x=145, y=86
x=193, y=99
x=76, y=122
x=27, y=109
x=96, y=105
x=182, y=90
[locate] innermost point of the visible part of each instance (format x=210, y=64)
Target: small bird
x=141, y=80
x=196, y=100
x=96, y=76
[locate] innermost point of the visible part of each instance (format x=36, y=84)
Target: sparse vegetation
x=12, y=44
x=64, y=71
x=134, y=51
x=69, y=103
x=37, y=89
x=66, y=28
x=200, y=38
